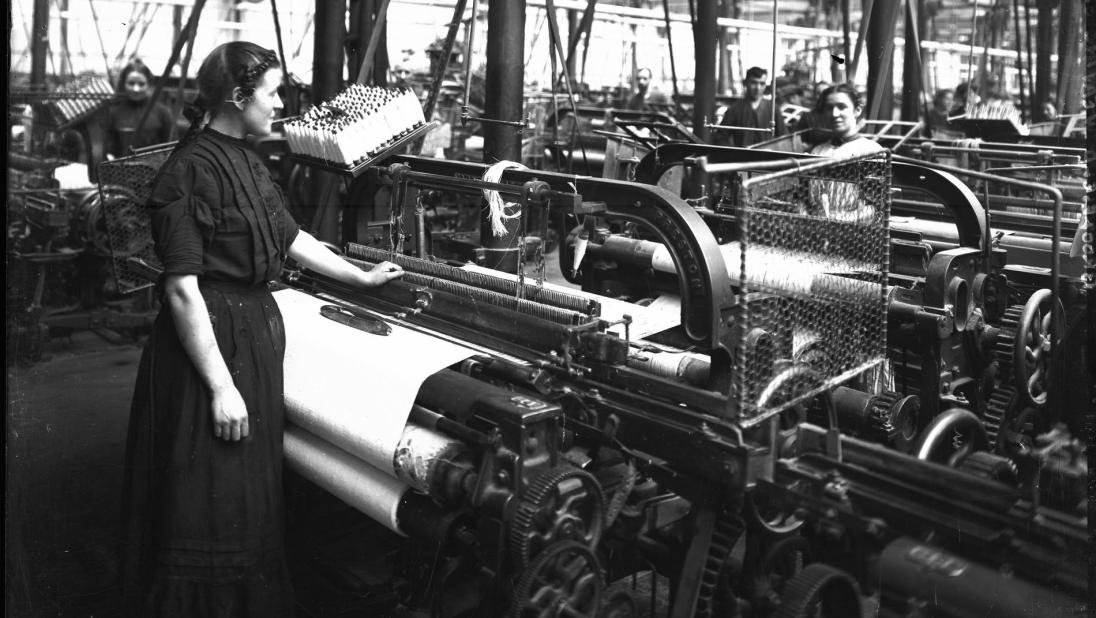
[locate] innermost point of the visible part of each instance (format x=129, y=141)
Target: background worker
x=753, y=111
x=124, y=115
x=646, y=97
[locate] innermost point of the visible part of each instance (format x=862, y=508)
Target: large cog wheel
x=990, y=466
x=561, y=504
x=564, y=580
x=1025, y=342
x=996, y=415
x=819, y=590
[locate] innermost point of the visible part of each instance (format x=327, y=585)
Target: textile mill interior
x=728, y=308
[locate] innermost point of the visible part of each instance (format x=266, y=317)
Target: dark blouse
x=122, y=119
x=217, y=213
x=742, y=114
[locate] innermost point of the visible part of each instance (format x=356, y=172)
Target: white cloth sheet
x=351, y=388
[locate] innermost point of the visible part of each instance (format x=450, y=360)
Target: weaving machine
x=724, y=419
x=962, y=295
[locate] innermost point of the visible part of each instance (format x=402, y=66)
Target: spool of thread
x=355, y=124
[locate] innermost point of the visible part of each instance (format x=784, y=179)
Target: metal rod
x=970, y=56
x=180, y=102
x=1019, y=60
x=846, y=39
x=374, y=39
x=102, y=46
x=290, y=95
x=443, y=62
x=1065, y=166
x=187, y=34
x=861, y=38
x=728, y=127
x=556, y=43
x=469, y=41
x=772, y=75
x=670, y=45
x=724, y=168
x=1033, y=100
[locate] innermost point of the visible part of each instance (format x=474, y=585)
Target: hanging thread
x=496, y=205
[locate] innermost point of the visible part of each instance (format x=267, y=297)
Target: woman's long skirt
x=204, y=518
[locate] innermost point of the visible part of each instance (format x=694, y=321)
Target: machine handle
x=361, y=321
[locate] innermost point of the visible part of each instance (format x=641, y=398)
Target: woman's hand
x=229, y=414
x=382, y=273
x=314, y=255
x=195, y=330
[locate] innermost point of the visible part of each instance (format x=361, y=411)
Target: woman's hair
x=134, y=65
x=965, y=88
x=843, y=88
x=238, y=64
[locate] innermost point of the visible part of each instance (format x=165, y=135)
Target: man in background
x=646, y=97
x=753, y=111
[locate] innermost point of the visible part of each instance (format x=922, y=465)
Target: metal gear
x=1022, y=347
x=878, y=426
x=1002, y=398
x=562, y=503
x=990, y=466
x=997, y=410
x=819, y=590
x=564, y=580
x=1006, y=338
x=715, y=583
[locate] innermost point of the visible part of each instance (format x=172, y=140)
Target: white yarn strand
x=496, y=205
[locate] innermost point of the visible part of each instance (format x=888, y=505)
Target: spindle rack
x=355, y=170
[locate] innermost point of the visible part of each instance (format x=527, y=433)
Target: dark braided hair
x=238, y=64
x=844, y=88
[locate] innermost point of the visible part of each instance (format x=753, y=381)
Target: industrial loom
x=751, y=401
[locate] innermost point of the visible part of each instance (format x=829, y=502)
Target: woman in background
x=124, y=114
x=203, y=508
x=840, y=108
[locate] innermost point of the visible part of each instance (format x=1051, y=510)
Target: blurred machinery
x=59, y=242
x=769, y=402
x=60, y=277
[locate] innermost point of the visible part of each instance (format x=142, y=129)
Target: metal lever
x=522, y=125
x=727, y=127
x=361, y=321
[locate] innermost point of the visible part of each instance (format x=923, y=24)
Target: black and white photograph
x=550, y=309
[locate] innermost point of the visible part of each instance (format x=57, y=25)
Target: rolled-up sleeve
x=182, y=221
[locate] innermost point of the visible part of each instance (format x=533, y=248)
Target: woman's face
x=261, y=108
x=841, y=113
x=136, y=86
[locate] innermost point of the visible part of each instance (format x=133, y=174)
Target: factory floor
x=65, y=438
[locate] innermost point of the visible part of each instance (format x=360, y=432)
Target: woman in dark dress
x=124, y=115
x=203, y=520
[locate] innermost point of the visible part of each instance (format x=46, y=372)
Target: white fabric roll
x=419, y=451
x=346, y=477
x=352, y=388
